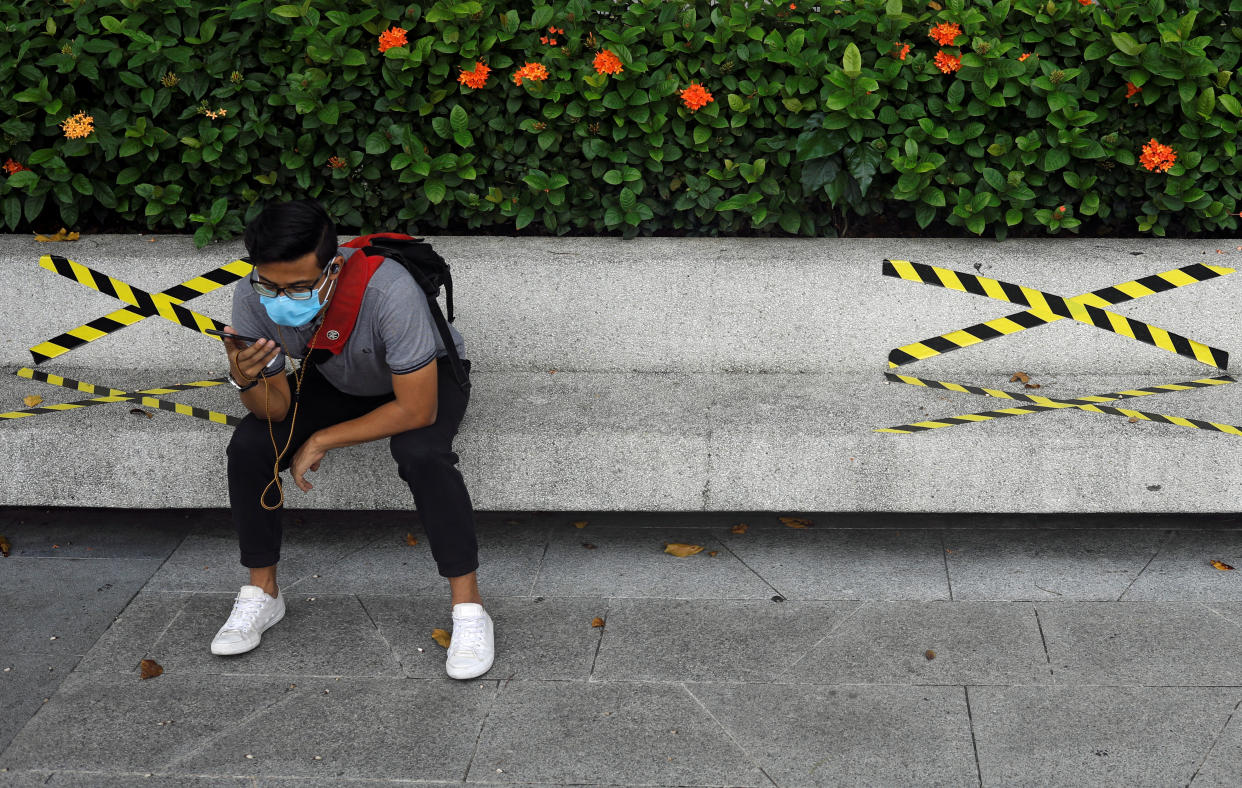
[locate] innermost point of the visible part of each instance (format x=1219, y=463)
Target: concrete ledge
x=717, y=374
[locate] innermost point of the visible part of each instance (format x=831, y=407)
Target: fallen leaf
x=441, y=637
x=929, y=654
x=712, y=553
x=1032, y=386
x=1217, y=564
x=5, y=547
x=150, y=240
x=682, y=550
x=795, y=522
x=31, y=400
x=410, y=540
x=141, y=412
x=740, y=528
x=580, y=524
x=149, y=669
x=597, y=622
x=1132, y=420
x=1020, y=377
x=62, y=235
x=551, y=371
x=588, y=545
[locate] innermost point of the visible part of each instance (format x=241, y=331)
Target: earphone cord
x=267, y=399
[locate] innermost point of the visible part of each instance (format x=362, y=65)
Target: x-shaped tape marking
x=106, y=395
x=142, y=304
x=1047, y=308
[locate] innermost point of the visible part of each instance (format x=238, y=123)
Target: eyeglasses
x=296, y=292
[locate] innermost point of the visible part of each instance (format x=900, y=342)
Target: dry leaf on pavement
x=1032, y=386
x=5, y=547
x=597, y=622
x=929, y=654
x=141, y=412
x=580, y=524
x=149, y=669
x=682, y=550
x=31, y=400
x=442, y=637
x=410, y=540
x=712, y=553
x=740, y=528
x=795, y=522
x=1020, y=377
x=61, y=235
x=1219, y=565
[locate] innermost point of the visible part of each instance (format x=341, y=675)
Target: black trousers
x=425, y=461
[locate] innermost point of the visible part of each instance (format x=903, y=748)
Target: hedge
x=630, y=118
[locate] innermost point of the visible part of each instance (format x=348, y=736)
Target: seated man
x=370, y=370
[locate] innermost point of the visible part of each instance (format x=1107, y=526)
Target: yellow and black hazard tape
x=157, y=304
x=100, y=327
x=1040, y=403
x=1021, y=321
x=107, y=395
x=1048, y=305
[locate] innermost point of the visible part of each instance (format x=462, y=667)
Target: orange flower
x=901, y=51
x=1131, y=89
x=78, y=125
x=1157, y=157
x=13, y=167
x=393, y=37
x=945, y=33
x=606, y=62
x=534, y=71
x=1023, y=56
x=696, y=96
x=1086, y=2
x=476, y=78
x=337, y=163
x=946, y=62
x=792, y=7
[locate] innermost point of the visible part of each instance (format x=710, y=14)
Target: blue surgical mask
x=285, y=311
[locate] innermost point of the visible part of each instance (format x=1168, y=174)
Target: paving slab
x=1083, y=564
x=887, y=642
x=848, y=735
x=1144, y=643
x=618, y=565
x=1182, y=570
x=115, y=722
x=1061, y=735
x=375, y=728
x=509, y=558
x=536, y=638
x=577, y=732
x=328, y=635
x=101, y=533
x=814, y=563
x=711, y=639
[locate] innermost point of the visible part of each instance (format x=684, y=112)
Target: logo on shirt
x=334, y=335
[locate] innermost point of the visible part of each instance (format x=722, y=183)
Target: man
x=372, y=371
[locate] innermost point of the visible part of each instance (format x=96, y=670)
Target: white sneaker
x=472, y=649
x=254, y=611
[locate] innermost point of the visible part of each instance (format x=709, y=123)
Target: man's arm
x=415, y=406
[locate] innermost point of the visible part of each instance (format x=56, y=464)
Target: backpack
x=431, y=271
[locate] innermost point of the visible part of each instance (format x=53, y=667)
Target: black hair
x=285, y=231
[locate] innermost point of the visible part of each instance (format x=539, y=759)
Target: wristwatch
x=239, y=386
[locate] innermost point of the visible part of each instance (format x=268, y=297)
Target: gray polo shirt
x=395, y=333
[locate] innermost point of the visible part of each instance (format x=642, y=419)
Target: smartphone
x=221, y=334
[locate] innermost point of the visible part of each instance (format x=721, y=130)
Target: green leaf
x=851, y=62
x=628, y=199
x=892, y=8
x=541, y=17
x=20, y=180
x=434, y=189
x=377, y=142
x=1013, y=216
x=353, y=57
x=287, y=11
x=702, y=134
x=994, y=179
x=1055, y=159
x=218, y=209
x=458, y=118
x=1206, y=103
x=526, y=215
x=613, y=177
x=736, y=103
x=1231, y=105
x=1126, y=43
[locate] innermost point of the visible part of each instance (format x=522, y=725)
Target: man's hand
x=306, y=459
x=249, y=361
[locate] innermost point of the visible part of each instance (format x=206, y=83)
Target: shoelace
x=243, y=615
x=470, y=635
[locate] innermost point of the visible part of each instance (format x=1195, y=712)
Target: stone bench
x=674, y=374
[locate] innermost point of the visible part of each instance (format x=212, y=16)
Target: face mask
x=285, y=311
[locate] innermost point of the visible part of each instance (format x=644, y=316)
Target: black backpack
x=430, y=271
